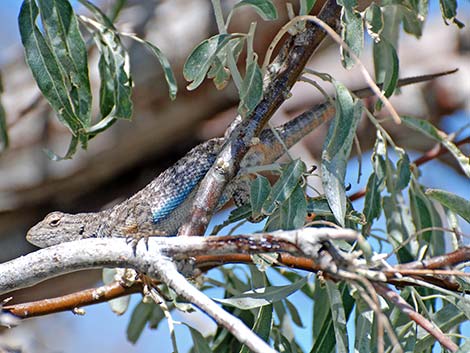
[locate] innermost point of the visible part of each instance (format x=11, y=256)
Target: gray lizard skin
x=165, y=203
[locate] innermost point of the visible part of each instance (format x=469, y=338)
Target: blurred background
x=130, y=154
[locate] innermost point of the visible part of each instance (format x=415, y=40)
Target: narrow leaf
x=426, y=216
x=167, y=70
x=323, y=330
x=284, y=186
x=453, y=202
x=238, y=214
x=414, y=18
x=294, y=313
x=429, y=130
x=364, y=327
x=337, y=148
x=353, y=34
x=262, y=296
x=70, y=151
x=374, y=21
x=259, y=192
x=372, y=202
x=386, y=66
x=384, y=53
x=201, y=344
x=64, y=37
x=114, y=68
x=139, y=318
x=399, y=224
x=263, y=325
x=403, y=175
x=46, y=69
x=264, y=8
x=449, y=11
x=251, y=90
x=294, y=210
x=201, y=58
x=446, y=318
x=338, y=317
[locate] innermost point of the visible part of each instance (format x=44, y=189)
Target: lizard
x=161, y=207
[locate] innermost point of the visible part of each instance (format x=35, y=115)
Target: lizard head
x=58, y=227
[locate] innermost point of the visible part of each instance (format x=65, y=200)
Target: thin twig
x=406, y=308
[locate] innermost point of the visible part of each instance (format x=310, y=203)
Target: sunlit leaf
x=114, y=69
x=352, y=33
x=51, y=77
x=374, y=20
x=454, y=202
x=64, y=38
x=201, y=58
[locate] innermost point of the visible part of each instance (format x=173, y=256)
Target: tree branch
x=281, y=76
x=407, y=309
x=157, y=262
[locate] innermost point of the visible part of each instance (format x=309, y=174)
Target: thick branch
x=157, y=262
x=115, y=252
x=282, y=75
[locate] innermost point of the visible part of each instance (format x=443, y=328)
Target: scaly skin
x=163, y=205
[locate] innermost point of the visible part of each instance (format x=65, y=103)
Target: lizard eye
x=54, y=222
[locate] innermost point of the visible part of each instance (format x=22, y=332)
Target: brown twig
x=456, y=257
x=72, y=301
x=420, y=320
x=435, y=152
x=205, y=263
